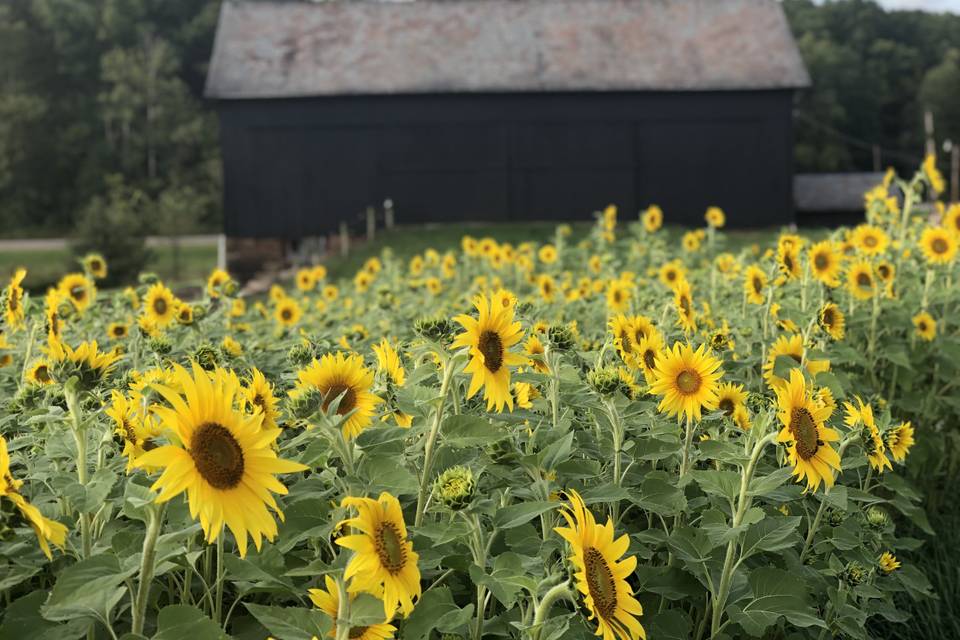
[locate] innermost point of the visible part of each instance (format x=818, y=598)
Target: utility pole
x=931, y=147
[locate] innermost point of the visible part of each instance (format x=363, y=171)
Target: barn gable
x=274, y=50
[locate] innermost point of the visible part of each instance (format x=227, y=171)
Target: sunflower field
x=615, y=435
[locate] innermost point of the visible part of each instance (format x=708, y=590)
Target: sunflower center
x=870, y=242
x=639, y=334
x=626, y=342
x=688, y=382
x=884, y=271
x=78, y=293
x=258, y=400
x=685, y=305
x=160, y=306
x=42, y=373
x=217, y=456
x=650, y=359
x=671, y=276
x=757, y=285
x=286, y=314
x=357, y=632
x=600, y=582
x=118, y=331
x=390, y=549
x=14, y=300
x=922, y=325
x=347, y=402
x=821, y=262
x=939, y=245
x=864, y=281
x=788, y=262
x=828, y=317
x=726, y=405
x=804, y=431
x=491, y=346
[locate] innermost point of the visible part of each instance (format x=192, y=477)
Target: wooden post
x=344, y=240
x=371, y=224
x=955, y=173
x=931, y=147
x=388, y=213
x=222, y=251
x=877, y=162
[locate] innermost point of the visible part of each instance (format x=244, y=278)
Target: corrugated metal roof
x=832, y=192
x=338, y=47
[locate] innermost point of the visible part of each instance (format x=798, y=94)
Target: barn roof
x=339, y=47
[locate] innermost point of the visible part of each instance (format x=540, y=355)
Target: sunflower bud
x=561, y=336
x=604, y=380
x=305, y=404
x=160, y=345
x=502, y=451
x=229, y=288
x=148, y=278
x=300, y=355
x=207, y=357
x=435, y=328
x=455, y=488
x=877, y=518
x=854, y=574
x=835, y=518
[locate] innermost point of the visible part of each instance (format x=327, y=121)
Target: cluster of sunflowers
x=615, y=436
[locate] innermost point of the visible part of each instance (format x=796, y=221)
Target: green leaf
x=774, y=593
x=291, y=623
x=518, y=514
x=671, y=624
x=98, y=488
x=692, y=545
x=722, y=483
x=507, y=579
x=88, y=589
x=770, y=534
x=764, y=485
x=470, y=431
x=179, y=621
x=22, y=621
x=436, y=610
x=660, y=496
x=557, y=452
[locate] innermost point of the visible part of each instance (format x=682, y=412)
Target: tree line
x=102, y=115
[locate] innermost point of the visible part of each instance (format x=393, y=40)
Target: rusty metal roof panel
x=340, y=47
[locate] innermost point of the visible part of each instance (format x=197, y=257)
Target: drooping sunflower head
x=600, y=573
x=832, y=321
x=939, y=245
x=388, y=362
x=861, y=281
x=345, y=377
x=687, y=380
x=825, y=262
x=222, y=457
x=932, y=174
x=805, y=434
x=384, y=563
x=79, y=289
x=488, y=337
x=159, y=305
x=899, y=440
x=755, y=284
x=95, y=265
x=730, y=396
x=87, y=363
x=534, y=347
x=870, y=240
x=925, y=325
x=259, y=397
x=12, y=299
x=328, y=601
x=790, y=346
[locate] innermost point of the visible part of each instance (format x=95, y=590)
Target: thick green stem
x=743, y=503
x=557, y=592
x=687, y=442
x=812, y=530
x=218, y=597
x=343, y=612
x=147, y=565
x=448, y=367
x=80, y=437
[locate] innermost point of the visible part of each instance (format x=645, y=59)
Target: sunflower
x=389, y=362
x=860, y=280
x=216, y=281
x=159, y=305
x=547, y=287
x=328, y=601
x=825, y=263
x=55, y=304
x=899, y=440
x=687, y=380
x=730, y=397
x=648, y=350
x=886, y=272
x=652, y=218
x=788, y=259
x=791, y=346
x=755, y=284
x=47, y=530
x=95, y=265
x=39, y=373
x=336, y=375
x=287, y=313
x=224, y=460
x=683, y=302
x=87, y=362
x=623, y=337
x=832, y=320
x=670, y=273
x=230, y=346
x=79, y=289
x=184, y=313
x=951, y=219
x=330, y=293
x=741, y=417
x=691, y=241
x=619, y=293
x=939, y=246
x=489, y=338
x=932, y=174
x=870, y=240
x=434, y=286
x=888, y=563
x=13, y=300
x=873, y=445
x=808, y=438
x=118, y=330
x=715, y=217
x=138, y=429
x=259, y=398
x=925, y=325
x=384, y=563
x=547, y=254
x=534, y=347
x=600, y=574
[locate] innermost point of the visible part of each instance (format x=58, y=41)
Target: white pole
x=222, y=251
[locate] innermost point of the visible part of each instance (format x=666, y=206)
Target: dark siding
x=297, y=167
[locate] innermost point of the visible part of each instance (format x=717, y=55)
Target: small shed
x=500, y=110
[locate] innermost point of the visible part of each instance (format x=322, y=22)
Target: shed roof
x=832, y=192
x=339, y=47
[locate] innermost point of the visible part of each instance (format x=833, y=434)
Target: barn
x=497, y=110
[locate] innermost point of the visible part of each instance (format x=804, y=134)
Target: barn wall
x=296, y=167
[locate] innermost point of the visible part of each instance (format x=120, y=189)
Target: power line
x=858, y=142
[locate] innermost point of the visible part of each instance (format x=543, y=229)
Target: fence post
x=388, y=213
x=344, y=239
x=955, y=173
x=222, y=251
x=371, y=224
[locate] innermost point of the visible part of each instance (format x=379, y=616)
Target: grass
x=45, y=267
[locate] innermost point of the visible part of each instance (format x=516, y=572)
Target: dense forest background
x=102, y=117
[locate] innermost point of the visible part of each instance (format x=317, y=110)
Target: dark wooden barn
x=501, y=110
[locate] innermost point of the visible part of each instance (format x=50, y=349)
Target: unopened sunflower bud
x=207, y=357
x=148, y=278
x=305, y=404
x=435, y=328
x=877, y=518
x=230, y=288
x=300, y=355
x=604, y=380
x=561, y=336
x=455, y=488
x=835, y=518
x=160, y=345
x=854, y=574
